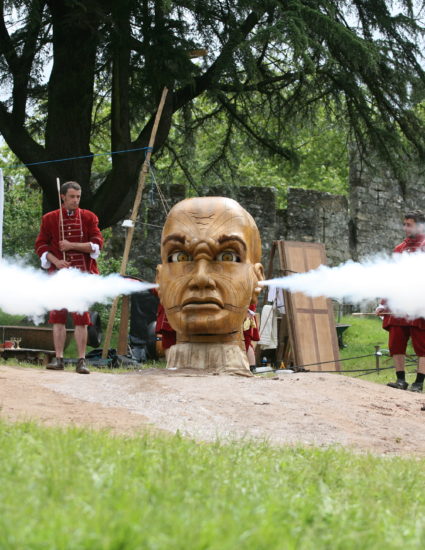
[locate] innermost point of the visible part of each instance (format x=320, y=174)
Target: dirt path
x=307, y=408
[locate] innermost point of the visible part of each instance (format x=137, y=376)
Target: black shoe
x=56, y=364
x=416, y=387
x=399, y=384
x=81, y=367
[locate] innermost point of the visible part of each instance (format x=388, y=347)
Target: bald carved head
x=210, y=253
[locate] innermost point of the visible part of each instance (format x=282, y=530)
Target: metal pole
x=377, y=356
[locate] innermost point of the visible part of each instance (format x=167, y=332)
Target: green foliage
x=109, y=264
x=22, y=215
x=22, y=209
x=85, y=489
x=8, y=319
x=268, y=70
x=195, y=155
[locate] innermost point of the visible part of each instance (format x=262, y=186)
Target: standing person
x=401, y=329
x=251, y=334
x=72, y=239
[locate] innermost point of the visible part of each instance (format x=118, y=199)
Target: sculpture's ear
x=259, y=273
x=158, y=278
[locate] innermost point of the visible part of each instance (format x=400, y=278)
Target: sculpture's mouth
x=202, y=303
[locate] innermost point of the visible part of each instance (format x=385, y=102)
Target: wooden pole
x=123, y=331
x=130, y=232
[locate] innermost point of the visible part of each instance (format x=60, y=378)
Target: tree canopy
x=203, y=156
x=75, y=72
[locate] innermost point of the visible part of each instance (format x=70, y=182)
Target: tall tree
x=211, y=150
x=269, y=63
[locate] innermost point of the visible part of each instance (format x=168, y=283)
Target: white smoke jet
x=28, y=291
x=399, y=278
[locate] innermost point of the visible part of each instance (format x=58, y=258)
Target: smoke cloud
x=28, y=291
x=399, y=278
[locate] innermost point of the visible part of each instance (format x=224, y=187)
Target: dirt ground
x=305, y=408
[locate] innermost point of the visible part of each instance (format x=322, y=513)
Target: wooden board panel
x=311, y=320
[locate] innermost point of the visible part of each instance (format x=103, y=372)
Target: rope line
x=335, y=361
x=374, y=370
x=367, y=371
x=150, y=224
x=161, y=195
x=79, y=157
x=384, y=368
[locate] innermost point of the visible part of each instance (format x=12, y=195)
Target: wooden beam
x=123, y=332
x=130, y=232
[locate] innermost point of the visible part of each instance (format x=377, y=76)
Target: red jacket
x=410, y=244
x=81, y=227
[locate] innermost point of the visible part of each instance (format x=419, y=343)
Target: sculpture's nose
x=201, y=277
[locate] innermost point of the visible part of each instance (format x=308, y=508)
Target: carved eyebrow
x=229, y=238
x=176, y=237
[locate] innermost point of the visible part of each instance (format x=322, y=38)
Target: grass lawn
x=360, y=339
x=78, y=489
x=81, y=489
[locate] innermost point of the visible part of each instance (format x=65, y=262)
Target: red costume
x=79, y=226
x=164, y=328
x=251, y=332
x=399, y=328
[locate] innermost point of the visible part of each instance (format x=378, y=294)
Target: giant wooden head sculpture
x=210, y=253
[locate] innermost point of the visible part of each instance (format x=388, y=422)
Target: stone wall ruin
x=365, y=222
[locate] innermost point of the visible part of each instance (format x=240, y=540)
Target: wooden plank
x=311, y=321
x=122, y=347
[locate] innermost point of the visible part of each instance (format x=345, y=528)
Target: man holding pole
x=69, y=237
x=401, y=329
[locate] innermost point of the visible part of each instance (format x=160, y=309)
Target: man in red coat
x=401, y=329
x=69, y=237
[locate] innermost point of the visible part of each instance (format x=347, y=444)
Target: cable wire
x=79, y=157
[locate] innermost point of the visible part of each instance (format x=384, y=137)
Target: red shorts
x=399, y=336
x=251, y=334
x=60, y=316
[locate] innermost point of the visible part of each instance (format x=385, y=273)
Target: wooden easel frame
x=317, y=314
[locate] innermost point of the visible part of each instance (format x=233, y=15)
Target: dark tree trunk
x=70, y=96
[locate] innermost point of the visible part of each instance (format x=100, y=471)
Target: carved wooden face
x=210, y=252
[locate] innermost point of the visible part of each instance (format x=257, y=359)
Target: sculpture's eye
x=228, y=256
x=180, y=256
